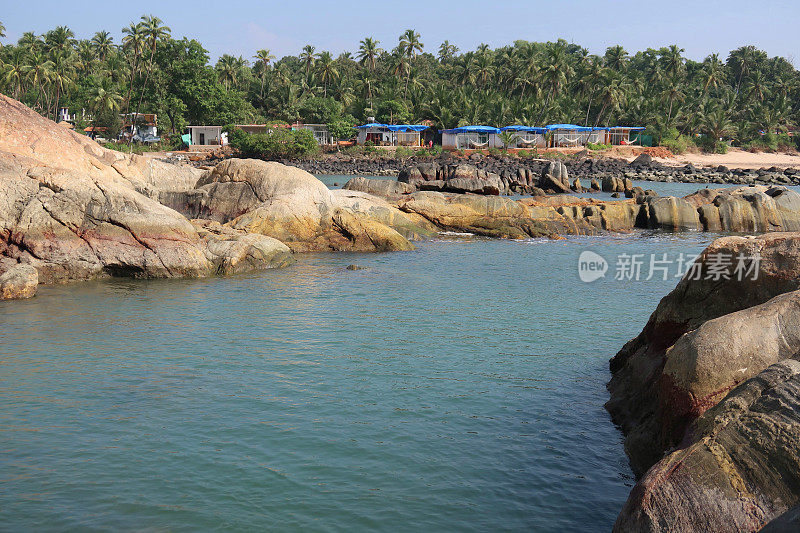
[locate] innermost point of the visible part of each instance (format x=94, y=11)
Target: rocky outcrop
x=738, y=469
x=288, y=204
x=232, y=251
x=708, y=395
x=456, y=178
x=71, y=225
x=72, y=210
x=517, y=171
x=18, y=282
x=411, y=227
x=661, y=379
x=493, y=216
x=390, y=189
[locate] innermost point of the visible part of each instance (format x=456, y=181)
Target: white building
x=206, y=137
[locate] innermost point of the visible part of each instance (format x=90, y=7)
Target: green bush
x=428, y=152
x=597, y=147
x=495, y=152
x=711, y=145
x=677, y=145
x=522, y=154
x=403, y=152
x=280, y=144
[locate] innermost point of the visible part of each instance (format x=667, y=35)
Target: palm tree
x=616, y=58
x=154, y=31
x=102, y=42
x=673, y=93
x=307, y=56
x=447, y=51
x=556, y=71
x=717, y=123
x=38, y=70
x=14, y=70
x=228, y=70
x=29, y=42
x=368, y=52
x=263, y=57
x=2, y=32
x=60, y=38
x=133, y=43
x=104, y=97
x=410, y=43
x=713, y=72
x=673, y=61
x=63, y=74
x=742, y=60
x=327, y=69
x=611, y=95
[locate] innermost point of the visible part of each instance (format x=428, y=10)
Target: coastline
x=764, y=169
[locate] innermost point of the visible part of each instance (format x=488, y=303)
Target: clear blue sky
x=242, y=26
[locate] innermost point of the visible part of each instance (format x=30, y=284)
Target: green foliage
x=434, y=151
x=598, y=146
x=280, y=144
x=508, y=138
x=321, y=110
x=495, y=152
x=711, y=145
x=678, y=146
x=535, y=83
x=341, y=130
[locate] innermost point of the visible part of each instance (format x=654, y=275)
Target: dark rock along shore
x=584, y=166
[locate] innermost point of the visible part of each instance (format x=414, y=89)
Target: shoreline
x=584, y=167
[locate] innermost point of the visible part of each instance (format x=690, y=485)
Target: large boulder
x=738, y=469
x=377, y=187
x=752, y=209
x=232, y=251
x=673, y=214
x=684, y=360
x=382, y=211
x=555, y=178
x=70, y=225
x=28, y=136
x=290, y=205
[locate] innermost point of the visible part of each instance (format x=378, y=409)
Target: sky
x=240, y=27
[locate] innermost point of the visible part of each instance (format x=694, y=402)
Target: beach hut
x=621, y=135
x=570, y=135
x=526, y=137
x=390, y=134
x=471, y=138
x=206, y=137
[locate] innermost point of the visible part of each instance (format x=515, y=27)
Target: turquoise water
x=456, y=387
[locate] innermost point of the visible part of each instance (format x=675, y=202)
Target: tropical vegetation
x=746, y=97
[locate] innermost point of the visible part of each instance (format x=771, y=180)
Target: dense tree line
x=525, y=83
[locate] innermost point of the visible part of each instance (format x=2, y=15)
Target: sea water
x=458, y=387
